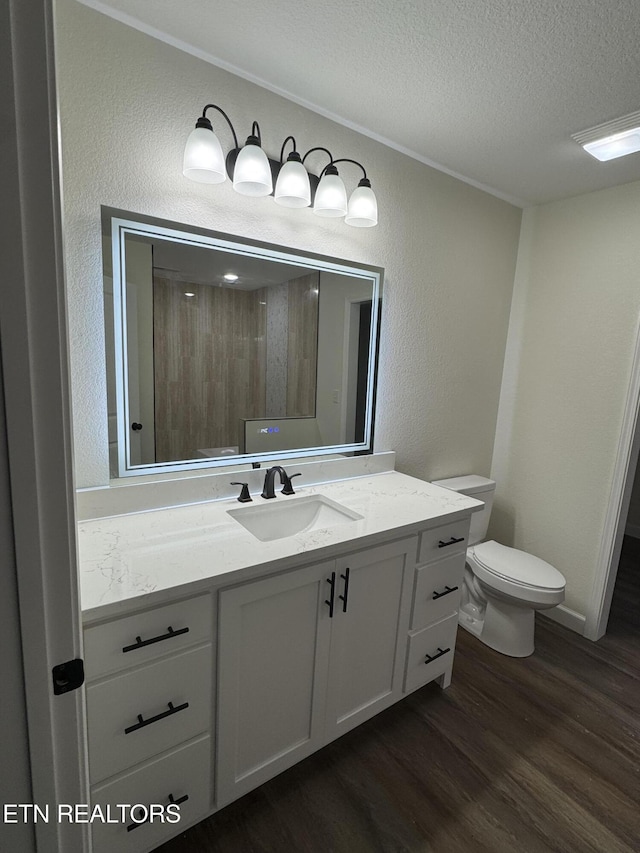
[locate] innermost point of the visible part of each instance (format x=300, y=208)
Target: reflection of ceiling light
x=230, y=276
x=613, y=139
x=188, y=293
x=314, y=290
x=263, y=303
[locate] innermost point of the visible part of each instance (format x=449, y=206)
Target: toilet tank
x=481, y=489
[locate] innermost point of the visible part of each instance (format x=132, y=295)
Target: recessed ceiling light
x=230, y=276
x=613, y=139
x=188, y=293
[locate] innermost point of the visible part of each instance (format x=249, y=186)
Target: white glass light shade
x=252, y=173
x=203, y=157
x=292, y=186
x=363, y=208
x=331, y=197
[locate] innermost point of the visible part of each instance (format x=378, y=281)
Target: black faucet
x=270, y=478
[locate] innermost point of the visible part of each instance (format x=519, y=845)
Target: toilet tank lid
x=468, y=485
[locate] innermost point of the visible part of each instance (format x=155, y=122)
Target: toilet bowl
x=503, y=587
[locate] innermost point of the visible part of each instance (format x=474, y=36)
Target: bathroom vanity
x=216, y=659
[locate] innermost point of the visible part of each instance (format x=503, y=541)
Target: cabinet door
x=273, y=657
x=369, y=634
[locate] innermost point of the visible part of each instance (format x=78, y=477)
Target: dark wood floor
x=517, y=756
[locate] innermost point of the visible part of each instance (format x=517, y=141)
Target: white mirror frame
x=121, y=225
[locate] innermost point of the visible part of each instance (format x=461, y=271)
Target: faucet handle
x=288, y=488
x=244, y=497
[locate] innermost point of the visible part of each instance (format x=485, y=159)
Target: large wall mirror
x=222, y=351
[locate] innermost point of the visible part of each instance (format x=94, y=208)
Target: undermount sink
x=287, y=518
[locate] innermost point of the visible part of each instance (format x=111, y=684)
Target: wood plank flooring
x=533, y=755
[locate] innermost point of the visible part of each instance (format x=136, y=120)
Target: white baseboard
x=567, y=617
x=633, y=530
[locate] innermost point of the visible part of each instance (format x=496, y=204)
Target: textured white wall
x=572, y=337
x=127, y=104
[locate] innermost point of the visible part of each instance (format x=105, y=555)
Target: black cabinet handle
x=135, y=427
x=332, y=583
x=430, y=658
x=345, y=598
x=451, y=541
x=447, y=590
x=139, y=643
x=173, y=709
x=177, y=802
x=132, y=826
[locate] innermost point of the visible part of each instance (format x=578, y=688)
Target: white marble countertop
x=142, y=559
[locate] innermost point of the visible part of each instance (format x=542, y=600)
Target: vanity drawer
x=442, y=541
x=186, y=772
x=438, y=590
x=118, y=740
x=436, y=642
x=136, y=639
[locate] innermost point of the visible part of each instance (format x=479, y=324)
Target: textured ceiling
x=489, y=90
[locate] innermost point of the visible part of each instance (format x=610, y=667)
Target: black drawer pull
x=331, y=601
x=452, y=541
x=345, y=598
x=447, y=590
x=430, y=658
x=171, y=800
x=136, y=825
x=142, y=722
x=140, y=643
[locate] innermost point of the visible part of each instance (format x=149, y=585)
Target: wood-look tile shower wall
x=302, y=350
x=210, y=362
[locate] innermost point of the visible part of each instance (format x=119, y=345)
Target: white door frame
x=611, y=543
x=35, y=374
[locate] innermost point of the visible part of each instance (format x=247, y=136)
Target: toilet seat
x=516, y=574
x=517, y=566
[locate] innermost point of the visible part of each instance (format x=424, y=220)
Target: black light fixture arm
x=294, y=154
x=319, y=148
x=355, y=162
x=204, y=121
x=255, y=138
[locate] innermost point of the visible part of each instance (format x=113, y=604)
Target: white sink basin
x=277, y=520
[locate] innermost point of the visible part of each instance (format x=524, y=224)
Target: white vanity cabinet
x=277, y=650
x=434, y=614
x=149, y=716
x=306, y=655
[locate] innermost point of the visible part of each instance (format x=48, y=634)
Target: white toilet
x=503, y=587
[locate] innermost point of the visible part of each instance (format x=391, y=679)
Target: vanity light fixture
x=253, y=174
x=293, y=188
x=203, y=158
x=612, y=139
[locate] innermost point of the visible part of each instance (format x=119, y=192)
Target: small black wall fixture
x=254, y=173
